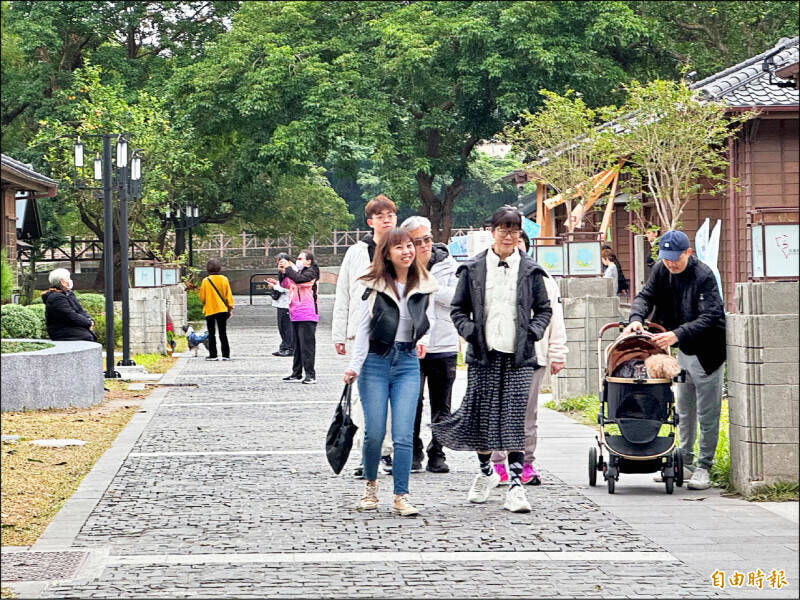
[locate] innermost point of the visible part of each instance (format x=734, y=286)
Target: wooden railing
x=221, y=245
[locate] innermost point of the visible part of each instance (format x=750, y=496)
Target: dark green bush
x=194, y=307
x=17, y=321
x=100, y=330
x=94, y=304
x=38, y=310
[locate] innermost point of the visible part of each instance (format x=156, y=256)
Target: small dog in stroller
x=194, y=340
x=636, y=401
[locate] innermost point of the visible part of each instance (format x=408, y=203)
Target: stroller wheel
x=593, y=466
x=668, y=482
x=611, y=481
x=677, y=460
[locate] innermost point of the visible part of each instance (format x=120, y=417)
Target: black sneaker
x=436, y=464
x=309, y=380
x=416, y=465
x=358, y=472
x=386, y=464
x=277, y=353
x=293, y=378
x=284, y=353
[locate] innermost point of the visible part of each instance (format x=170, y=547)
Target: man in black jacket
x=684, y=293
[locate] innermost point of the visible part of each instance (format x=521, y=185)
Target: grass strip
x=36, y=481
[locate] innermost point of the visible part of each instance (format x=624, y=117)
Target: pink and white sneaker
x=529, y=475
x=500, y=469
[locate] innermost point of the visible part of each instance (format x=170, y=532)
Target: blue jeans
x=393, y=381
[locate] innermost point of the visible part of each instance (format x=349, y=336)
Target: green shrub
x=100, y=330
x=194, y=307
x=13, y=347
x=6, y=277
x=38, y=310
x=17, y=321
x=94, y=304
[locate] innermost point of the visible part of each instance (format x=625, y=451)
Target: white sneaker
x=403, y=507
x=516, y=500
x=700, y=480
x=369, y=501
x=482, y=485
x=687, y=475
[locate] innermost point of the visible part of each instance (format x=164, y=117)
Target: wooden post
x=609, y=207
x=72, y=260
x=221, y=246
x=334, y=243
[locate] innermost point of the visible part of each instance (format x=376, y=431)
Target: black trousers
x=212, y=322
x=440, y=373
x=285, y=329
x=305, y=348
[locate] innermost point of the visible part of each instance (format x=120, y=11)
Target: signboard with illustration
x=551, y=258
x=458, y=247
x=776, y=247
x=584, y=258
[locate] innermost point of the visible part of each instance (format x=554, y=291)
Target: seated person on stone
x=65, y=317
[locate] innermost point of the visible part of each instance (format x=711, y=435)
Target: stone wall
x=589, y=303
x=762, y=340
x=176, y=305
x=148, y=319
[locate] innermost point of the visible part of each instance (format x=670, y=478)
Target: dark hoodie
x=438, y=253
x=66, y=320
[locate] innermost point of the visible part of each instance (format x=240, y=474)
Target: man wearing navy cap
x=682, y=292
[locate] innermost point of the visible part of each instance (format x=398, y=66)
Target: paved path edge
x=65, y=526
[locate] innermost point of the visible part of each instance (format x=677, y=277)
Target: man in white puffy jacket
x=381, y=215
x=551, y=352
x=439, y=365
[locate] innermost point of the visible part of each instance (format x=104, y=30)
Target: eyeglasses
x=426, y=239
x=384, y=216
x=506, y=232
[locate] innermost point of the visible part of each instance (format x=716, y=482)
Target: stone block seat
x=67, y=374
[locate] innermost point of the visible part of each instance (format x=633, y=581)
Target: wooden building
x=763, y=172
x=21, y=186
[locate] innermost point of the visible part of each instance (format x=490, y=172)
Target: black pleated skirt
x=492, y=414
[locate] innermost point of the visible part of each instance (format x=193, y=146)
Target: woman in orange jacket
x=217, y=298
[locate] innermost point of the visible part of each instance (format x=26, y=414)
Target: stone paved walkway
x=219, y=488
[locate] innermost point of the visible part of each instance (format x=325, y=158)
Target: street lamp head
x=122, y=152
x=98, y=168
x=136, y=167
x=168, y=213
x=195, y=212
x=78, y=153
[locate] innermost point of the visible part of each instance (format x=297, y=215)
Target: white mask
x=69, y=284
x=299, y=264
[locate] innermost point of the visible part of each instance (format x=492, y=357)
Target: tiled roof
x=26, y=170
x=747, y=84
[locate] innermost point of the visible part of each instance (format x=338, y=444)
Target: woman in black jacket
x=501, y=308
x=65, y=317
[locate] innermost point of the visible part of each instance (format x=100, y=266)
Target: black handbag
x=339, y=440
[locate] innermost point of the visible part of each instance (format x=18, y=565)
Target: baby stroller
x=638, y=406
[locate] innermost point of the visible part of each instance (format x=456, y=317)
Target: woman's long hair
x=382, y=267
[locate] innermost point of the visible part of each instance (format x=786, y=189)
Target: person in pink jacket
x=301, y=281
x=551, y=351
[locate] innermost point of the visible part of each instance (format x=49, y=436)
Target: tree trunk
x=439, y=211
x=180, y=241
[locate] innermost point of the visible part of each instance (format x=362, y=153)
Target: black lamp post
x=129, y=181
x=102, y=171
x=184, y=221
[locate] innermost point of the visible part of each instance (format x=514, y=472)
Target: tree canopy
x=261, y=104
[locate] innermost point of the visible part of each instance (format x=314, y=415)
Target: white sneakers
x=403, y=507
x=700, y=480
x=516, y=500
x=482, y=486
x=369, y=501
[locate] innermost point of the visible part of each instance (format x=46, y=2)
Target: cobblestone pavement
x=227, y=489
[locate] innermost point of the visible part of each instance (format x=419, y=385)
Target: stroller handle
x=647, y=325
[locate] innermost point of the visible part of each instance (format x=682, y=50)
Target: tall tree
x=417, y=83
